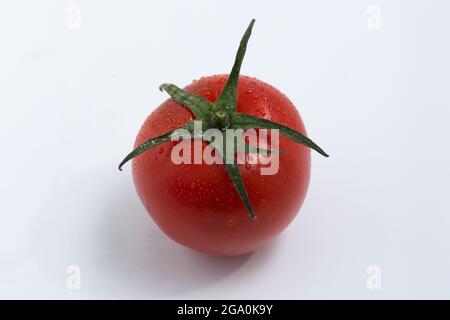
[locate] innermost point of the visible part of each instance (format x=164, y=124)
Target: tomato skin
x=196, y=204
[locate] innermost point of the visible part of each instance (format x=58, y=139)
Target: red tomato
x=196, y=204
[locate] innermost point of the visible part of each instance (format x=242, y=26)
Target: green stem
x=228, y=97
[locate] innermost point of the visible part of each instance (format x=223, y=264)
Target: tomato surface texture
x=196, y=204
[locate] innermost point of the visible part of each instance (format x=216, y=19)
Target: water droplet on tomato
x=261, y=111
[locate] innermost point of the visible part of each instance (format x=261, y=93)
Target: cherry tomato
x=196, y=204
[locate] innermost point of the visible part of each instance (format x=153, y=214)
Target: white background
x=72, y=101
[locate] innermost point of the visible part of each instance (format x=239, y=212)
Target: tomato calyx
x=223, y=115
x=220, y=120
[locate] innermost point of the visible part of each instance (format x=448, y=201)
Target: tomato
x=196, y=204
x=228, y=208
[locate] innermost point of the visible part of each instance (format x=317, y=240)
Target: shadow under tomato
x=96, y=221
